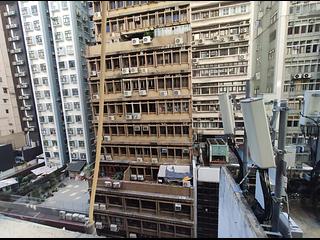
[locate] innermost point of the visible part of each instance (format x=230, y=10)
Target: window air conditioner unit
x=99, y=225
x=145, y=128
x=69, y=216
x=242, y=57
x=195, y=60
x=136, y=128
x=139, y=159
x=163, y=93
x=178, y=40
x=134, y=70
x=125, y=71
x=31, y=129
x=186, y=184
x=135, y=41
x=132, y=235
x=231, y=38
x=108, y=184
x=62, y=215
x=108, y=158
x=140, y=178
x=306, y=75
x=144, y=70
x=200, y=41
x=107, y=138
x=297, y=76
x=136, y=19
x=116, y=184
x=133, y=177
x=127, y=93
x=142, y=92
x=164, y=150
x=147, y=39
x=93, y=73
x=177, y=207
x=114, y=228
x=111, y=118
x=136, y=116
x=129, y=116
x=176, y=92
x=221, y=39
x=154, y=160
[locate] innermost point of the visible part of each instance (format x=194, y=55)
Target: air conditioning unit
x=154, y=160
x=136, y=116
x=176, y=92
x=139, y=159
x=140, y=178
x=96, y=206
x=108, y=157
x=125, y=71
x=163, y=93
x=116, y=184
x=306, y=75
x=297, y=76
x=186, y=184
x=216, y=38
x=143, y=92
x=74, y=155
x=114, y=228
x=69, y=216
x=95, y=96
x=177, y=207
x=132, y=235
x=129, y=117
x=136, y=128
x=133, y=177
x=178, y=40
x=195, y=60
x=108, y=184
x=99, y=225
x=107, y=138
x=111, y=118
x=93, y=73
x=127, y=93
x=241, y=37
x=221, y=39
x=134, y=70
x=242, y=57
x=164, y=150
x=147, y=39
x=144, y=70
x=135, y=41
x=231, y=38
x=200, y=41
x=62, y=215
x=145, y=128
x=137, y=19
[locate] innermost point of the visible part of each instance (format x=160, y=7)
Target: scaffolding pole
x=101, y=111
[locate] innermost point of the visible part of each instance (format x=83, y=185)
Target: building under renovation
x=144, y=187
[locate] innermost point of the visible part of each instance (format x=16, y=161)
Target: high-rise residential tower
x=18, y=112
x=220, y=61
x=56, y=34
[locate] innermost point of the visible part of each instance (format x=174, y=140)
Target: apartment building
x=220, y=62
x=18, y=112
x=56, y=34
x=286, y=52
x=147, y=119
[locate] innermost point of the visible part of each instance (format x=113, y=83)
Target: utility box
x=218, y=150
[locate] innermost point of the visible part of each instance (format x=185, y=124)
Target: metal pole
x=245, y=145
x=195, y=197
x=280, y=165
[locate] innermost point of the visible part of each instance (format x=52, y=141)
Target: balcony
x=26, y=107
x=28, y=118
x=17, y=63
x=23, y=85
x=15, y=38
x=9, y=13
x=11, y=26
x=24, y=97
x=16, y=50
x=20, y=74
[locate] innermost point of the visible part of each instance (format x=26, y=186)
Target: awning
x=8, y=182
x=43, y=170
x=76, y=166
x=174, y=171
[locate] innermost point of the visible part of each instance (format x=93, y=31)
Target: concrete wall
x=17, y=140
x=235, y=216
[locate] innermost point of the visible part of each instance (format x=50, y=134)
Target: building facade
x=287, y=52
x=17, y=114
x=221, y=44
x=55, y=35
x=147, y=118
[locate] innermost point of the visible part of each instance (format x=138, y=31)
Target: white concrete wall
x=235, y=217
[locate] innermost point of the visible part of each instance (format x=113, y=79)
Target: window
x=225, y=11
x=76, y=106
x=75, y=92
x=36, y=25
x=73, y=78
x=5, y=100
x=61, y=51
x=81, y=143
x=79, y=131
x=25, y=11
x=30, y=40
x=35, y=68
x=70, y=50
x=49, y=107
x=43, y=67
x=50, y=119
x=39, y=39
x=59, y=36
x=72, y=64
x=34, y=10
x=41, y=54
x=62, y=65
x=78, y=118
x=243, y=8
x=28, y=26
x=47, y=94
x=64, y=5
x=45, y=80
x=65, y=92
x=69, y=119
x=68, y=35
x=66, y=20
x=32, y=54
x=7, y=110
